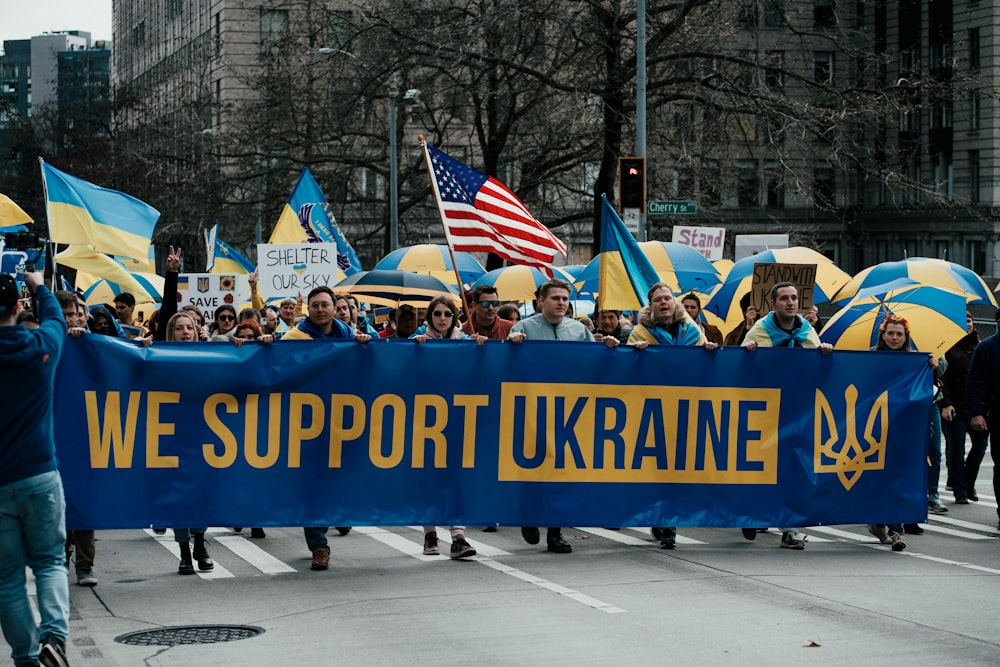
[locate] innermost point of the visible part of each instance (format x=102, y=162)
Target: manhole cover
x=189, y=634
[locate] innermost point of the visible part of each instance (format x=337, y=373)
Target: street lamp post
x=410, y=98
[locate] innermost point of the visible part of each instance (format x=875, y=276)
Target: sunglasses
x=487, y=304
x=226, y=318
x=442, y=313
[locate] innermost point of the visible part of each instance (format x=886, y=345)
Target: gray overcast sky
x=21, y=19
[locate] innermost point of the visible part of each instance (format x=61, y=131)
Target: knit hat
x=9, y=293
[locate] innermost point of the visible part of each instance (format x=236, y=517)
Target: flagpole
x=48, y=217
x=447, y=236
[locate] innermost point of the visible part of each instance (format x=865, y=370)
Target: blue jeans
x=315, y=537
x=33, y=533
x=934, y=452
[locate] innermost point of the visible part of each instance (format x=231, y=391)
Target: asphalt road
x=716, y=599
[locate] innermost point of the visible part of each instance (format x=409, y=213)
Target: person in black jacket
x=983, y=396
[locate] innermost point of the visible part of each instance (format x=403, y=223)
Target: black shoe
x=258, y=533
x=490, y=529
x=52, y=652
x=749, y=533
x=912, y=529
x=556, y=544
x=160, y=531
x=237, y=530
x=961, y=500
x=657, y=533
x=973, y=496
x=343, y=530
x=668, y=538
x=185, y=567
x=530, y=535
x=201, y=554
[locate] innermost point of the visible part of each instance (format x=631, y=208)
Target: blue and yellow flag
x=110, y=222
x=308, y=218
x=12, y=217
x=625, y=273
x=229, y=260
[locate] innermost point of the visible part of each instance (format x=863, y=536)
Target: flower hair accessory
x=895, y=319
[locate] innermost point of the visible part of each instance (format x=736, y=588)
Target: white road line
x=396, y=541
x=966, y=524
x=253, y=554
x=623, y=537
x=842, y=534
x=946, y=561
x=167, y=542
x=444, y=538
x=569, y=593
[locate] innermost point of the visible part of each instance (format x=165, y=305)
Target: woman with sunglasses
x=441, y=322
x=225, y=323
x=894, y=336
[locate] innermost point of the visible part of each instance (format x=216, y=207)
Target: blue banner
x=449, y=432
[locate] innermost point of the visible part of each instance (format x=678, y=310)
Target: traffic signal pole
x=640, y=102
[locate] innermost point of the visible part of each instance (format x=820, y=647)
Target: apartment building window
x=175, y=8
x=824, y=14
x=748, y=184
x=908, y=62
x=941, y=111
x=339, y=30
x=273, y=29
x=710, y=188
x=774, y=75
x=774, y=13
x=974, y=176
x=823, y=66
x=823, y=184
x=974, y=48
x=775, y=185
x=944, y=176
x=976, y=256
x=748, y=15
x=217, y=33
x=975, y=110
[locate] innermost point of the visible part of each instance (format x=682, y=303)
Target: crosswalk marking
x=167, y=542
x=965, y=524
x=253, y=554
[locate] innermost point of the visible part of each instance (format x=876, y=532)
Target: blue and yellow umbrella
x=433, y=260
x=725, y=304
x=678, y=265
x=936, y=317
x=929, y=271
x=519, y=282
x=101, y=290
x=394, y=288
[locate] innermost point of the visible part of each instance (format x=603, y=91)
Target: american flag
x=481, y=214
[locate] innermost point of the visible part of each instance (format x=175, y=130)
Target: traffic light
x=632, y=183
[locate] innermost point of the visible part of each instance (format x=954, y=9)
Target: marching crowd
x=967, y=394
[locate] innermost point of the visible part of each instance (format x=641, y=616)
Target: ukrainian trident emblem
x=846, y=456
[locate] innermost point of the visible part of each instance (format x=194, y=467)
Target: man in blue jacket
x=32, y=509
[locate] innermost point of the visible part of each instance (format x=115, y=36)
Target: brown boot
x=321, y=558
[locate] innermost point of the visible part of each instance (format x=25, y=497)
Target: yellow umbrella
x=936, y=317
x=929, y=271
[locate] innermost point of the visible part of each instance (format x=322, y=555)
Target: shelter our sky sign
x=286, y=269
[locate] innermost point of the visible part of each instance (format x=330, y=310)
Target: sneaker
x=461, y=549
x=912, y=529
x=961, y=500
x=52, y=652
x=880, y=531
x=530, y=535
x=749, y=533
x=85, y=577
x=321, y=558
x=431, y=544
x=793, y=539
x=935, y=506
x=898, y=543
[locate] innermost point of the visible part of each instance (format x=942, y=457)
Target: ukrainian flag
x=308, y=218
x=110, y=222
x=134, y=265
x=626, y=274
x=12, y=217
x=229, y=260
x=83, y=258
